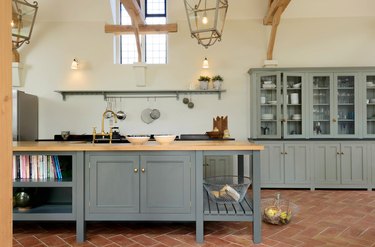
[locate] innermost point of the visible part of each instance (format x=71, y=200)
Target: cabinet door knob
x=135, y=170
x=334, y=120
x=342, y=152
x=338, y=153
x=285, y=152
x=281, y=153
x=143, y=169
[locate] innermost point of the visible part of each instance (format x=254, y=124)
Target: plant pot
x=203, y=85
x=217, y=85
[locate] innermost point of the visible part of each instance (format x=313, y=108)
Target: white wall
x=301, y=42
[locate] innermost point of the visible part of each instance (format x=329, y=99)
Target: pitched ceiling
x=99, y=10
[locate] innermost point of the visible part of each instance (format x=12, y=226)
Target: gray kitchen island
x=151, y=182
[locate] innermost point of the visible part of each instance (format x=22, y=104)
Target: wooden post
x=6, y=124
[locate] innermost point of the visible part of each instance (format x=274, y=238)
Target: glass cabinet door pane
x=321, y=106
x=269, y=102
x=292, y=109
x=370, y=105
x=345, y=105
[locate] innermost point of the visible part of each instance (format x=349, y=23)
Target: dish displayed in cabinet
x=267, y=116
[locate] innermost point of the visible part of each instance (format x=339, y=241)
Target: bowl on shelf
x=165, y=138
x=370, y=84
x=296, y=117
x=267, y=116
x=372, y=101
x=298, y=85
x=267, y=82
x=272, y=102
x=138, y=139
x=226, y=189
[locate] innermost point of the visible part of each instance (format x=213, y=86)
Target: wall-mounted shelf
x=142, y=94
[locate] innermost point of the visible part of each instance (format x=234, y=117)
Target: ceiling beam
x=273, y=16
x=143, y=29
x=134, y=10
x=273, y=6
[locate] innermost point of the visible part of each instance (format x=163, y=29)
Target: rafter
x=273, y=15
x=143, y=29
x=134, y=10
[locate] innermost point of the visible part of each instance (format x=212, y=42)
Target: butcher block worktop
x=149, y=146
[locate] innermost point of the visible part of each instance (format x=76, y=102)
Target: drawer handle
x=135, y=170
x=143, y=170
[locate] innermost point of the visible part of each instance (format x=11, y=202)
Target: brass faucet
x=114, y=116
x=103, y=134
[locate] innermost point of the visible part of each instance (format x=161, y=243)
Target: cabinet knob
x=342, y=152
x=143, y=170
x=135, y=170
x=285, y=152
x=281, y=153
x=334, y=120
x=338, y=153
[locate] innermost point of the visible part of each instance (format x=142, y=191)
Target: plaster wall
x=301, y=42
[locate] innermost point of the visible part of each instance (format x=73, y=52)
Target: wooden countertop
x=149, y=146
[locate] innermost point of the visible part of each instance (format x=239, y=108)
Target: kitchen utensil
x=109, y=107
x=146, y=116
x=65, y=134
x=155, y=114
x=185, y=100
x=121, y=115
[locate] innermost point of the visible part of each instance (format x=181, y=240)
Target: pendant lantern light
x=206, y=19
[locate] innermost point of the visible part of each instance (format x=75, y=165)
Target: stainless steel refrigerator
x=25, y=116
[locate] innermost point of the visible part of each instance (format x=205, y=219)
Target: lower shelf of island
x=44, y=212
x=236, y=211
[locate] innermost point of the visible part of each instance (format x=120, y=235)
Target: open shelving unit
x=140, y=93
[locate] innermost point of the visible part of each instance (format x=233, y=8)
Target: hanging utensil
x=121, y=115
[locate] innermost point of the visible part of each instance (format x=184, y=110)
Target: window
x=154, y=46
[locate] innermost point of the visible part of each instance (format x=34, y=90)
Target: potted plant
x=217, y=81
x=203, y=81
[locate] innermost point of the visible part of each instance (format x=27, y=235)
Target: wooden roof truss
x=273, y=15
x=139, y=25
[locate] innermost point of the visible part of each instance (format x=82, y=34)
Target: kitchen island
x=150, y=182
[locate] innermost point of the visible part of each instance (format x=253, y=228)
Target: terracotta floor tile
x=326, y=218
x=144, y=240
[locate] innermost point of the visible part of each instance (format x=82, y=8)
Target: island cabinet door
x=165, y=184
x=113, y=184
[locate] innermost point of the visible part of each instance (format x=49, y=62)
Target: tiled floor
x=326, y=218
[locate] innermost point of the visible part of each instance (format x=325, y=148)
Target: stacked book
x=36, y=167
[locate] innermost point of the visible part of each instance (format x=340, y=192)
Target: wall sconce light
x=205, y=64
x=74, y=65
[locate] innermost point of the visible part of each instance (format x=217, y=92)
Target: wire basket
x=226, y=189
x=278, y=211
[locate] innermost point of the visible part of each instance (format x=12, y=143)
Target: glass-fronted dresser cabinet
x=299, y=113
